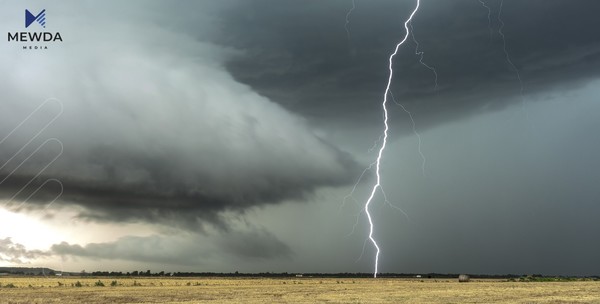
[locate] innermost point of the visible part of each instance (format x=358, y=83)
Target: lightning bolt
x=506, y=51
x=414, y=128
x=508, y=59
x=375, y=143
x=489, y=16
x=348, y=19
x=385, y=135
x=421, y=54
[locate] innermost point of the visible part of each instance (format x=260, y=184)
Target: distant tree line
x=149, y=273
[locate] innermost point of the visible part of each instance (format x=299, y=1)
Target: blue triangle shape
x=30, y=18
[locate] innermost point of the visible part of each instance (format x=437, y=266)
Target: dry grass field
x=65, y=290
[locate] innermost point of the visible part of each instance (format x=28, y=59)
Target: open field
x=64, y=290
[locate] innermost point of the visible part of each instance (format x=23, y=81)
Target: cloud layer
x=16, y=253
x=186, y=249
x=154, y=128
x=321, y=65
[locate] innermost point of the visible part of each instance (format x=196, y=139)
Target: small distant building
x=299, y=275
x=419, y=276
x=463, y=278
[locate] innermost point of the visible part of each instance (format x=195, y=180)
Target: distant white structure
x=418, y=276
x=463, y=278
x=299, y=275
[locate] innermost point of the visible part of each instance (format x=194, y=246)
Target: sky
x=222, y=136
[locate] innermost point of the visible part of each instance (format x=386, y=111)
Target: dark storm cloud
x=188, y=250
x=193, y=112
x=503, y=194
x=163, y=196
x=256, y=244
x=298, y=54
x=156, y=133
x=17, y=253
x=151, y=249
x=153, y=127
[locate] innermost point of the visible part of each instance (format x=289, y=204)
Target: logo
x=35, y=40
x=40, y=18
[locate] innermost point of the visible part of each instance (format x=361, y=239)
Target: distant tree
x=148, y=272
x=135, y=273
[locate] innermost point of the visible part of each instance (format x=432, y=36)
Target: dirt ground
x=66, y=290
